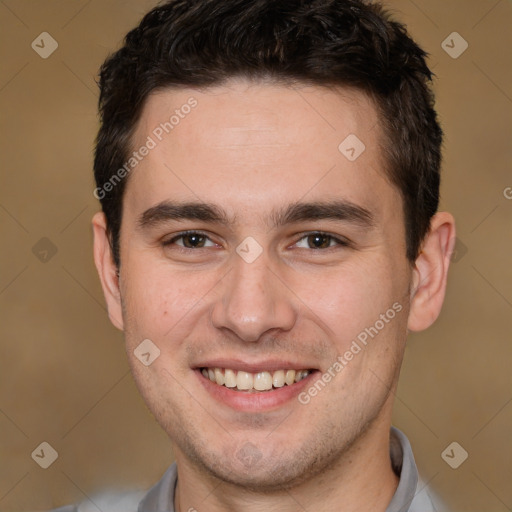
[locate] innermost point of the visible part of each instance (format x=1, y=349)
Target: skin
x=253, y=149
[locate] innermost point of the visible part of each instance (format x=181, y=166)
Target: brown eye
x=190, y=240
x=193, y=240
x=319, y=241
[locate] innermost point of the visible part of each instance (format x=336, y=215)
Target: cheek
x=159, y=301
x=352, y=298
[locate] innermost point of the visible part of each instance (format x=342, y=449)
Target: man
x=269, y=179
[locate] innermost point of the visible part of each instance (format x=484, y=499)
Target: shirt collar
x=404, y=466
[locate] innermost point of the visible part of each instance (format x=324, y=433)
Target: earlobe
x=431, y=272
x=107, y=269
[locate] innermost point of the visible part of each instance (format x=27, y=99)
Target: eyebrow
x=170, y=210
x=340, y=210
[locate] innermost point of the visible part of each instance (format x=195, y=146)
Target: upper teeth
x=261, y=381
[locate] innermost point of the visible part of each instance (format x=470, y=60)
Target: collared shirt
x=410, y=495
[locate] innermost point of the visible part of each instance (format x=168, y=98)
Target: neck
x=362, y=479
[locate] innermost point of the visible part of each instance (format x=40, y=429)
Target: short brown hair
x=187, y=43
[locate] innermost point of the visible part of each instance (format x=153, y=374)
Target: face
x=253, y=248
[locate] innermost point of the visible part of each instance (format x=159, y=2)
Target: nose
x=253, y=301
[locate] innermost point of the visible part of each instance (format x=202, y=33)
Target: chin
x=273, y=471
x=268, y=477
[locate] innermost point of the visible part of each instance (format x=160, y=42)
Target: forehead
x=243, y=144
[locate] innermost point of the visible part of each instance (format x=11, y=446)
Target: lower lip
x=257, y=401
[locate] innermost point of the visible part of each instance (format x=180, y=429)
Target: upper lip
x=269, y=365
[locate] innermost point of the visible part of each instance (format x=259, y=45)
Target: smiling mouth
x=254, y=382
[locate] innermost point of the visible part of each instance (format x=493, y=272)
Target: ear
x=430, y=272
x=106, y=267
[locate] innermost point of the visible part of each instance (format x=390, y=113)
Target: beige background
x=64, y=375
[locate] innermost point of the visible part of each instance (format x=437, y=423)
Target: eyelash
x=340, y=242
